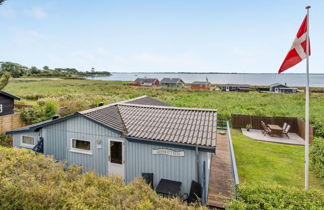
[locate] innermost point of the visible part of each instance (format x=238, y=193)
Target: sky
x=153, y=36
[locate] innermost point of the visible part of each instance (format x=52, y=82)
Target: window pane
x=116, y=152
x=28, y=140
x=80, y=144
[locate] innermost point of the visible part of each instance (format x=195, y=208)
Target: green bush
x=317, y=157
x=276, y=197
x=43, y=111
x=5, y=140
x=30, y=181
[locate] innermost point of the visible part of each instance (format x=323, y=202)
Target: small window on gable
x=28, y=140
x=1, y=109
x=81, y=144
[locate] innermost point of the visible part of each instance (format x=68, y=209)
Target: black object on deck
x=148, y=178
x=195, y=192
x=168, y=187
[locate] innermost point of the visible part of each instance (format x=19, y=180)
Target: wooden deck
x=221, y=178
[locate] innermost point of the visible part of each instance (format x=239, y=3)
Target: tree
x=1, y=1
x=46, y=68
x=14, y=69
x=4, y=80
x=34, y=70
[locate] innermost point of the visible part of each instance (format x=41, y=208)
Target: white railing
x=229, y=138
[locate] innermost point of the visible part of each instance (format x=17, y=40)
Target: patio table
x=275, y=129
x=168, y=187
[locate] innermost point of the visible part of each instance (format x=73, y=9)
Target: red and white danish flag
x=298, y=49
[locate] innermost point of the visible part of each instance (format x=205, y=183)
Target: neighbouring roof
x=145, y=80
x=171, y=80
x=147, y=119
x=287, y=88
x=201, y=83
x=236, y=85
x=9, y=95
x=278, y=84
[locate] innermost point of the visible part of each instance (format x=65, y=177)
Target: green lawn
x=271, y=163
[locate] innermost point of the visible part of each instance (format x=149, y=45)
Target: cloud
x=37, y=12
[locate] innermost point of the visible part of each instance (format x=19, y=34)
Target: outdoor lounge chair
x=286, y=130
x=284, y=126
x=195, y=193
x=266, y=130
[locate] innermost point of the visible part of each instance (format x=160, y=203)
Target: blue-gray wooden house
x=141, y=135
x=7, y=102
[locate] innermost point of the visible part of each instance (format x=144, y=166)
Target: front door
x=116, y=163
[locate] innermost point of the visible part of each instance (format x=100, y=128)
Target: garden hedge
x=30, y=181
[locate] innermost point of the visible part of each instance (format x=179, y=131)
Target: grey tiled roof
x=109, y=115
x=170, y=124
x=145, y=118
x=145, y=80
x=171, y=80
x=278, y=84
x=144, y=100
x=235, y=85
x=106, y=115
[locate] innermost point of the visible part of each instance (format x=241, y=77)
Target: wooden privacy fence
x=10, y=122
x=23, y=106
x=297, y=125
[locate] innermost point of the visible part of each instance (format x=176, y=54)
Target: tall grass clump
x=317, y=157
x=30, y=181
x=263, y=196
x=44, y=110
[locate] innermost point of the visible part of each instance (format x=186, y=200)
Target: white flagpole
x=307, y=105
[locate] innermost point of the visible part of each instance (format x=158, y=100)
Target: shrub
x=43, y=111
x=71, y=105
x=5, y=140
x=317, y=157
x=30, y=181
x=264, y=196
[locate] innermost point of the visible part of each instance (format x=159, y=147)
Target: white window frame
x=27, y=145
x=1, y=108
x=82, y=151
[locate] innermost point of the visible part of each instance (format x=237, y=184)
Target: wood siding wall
x=139, y=159
x=297, y=125
x=10, y=122
x=7, y=105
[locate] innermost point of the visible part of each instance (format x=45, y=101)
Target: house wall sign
x=168, y=152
